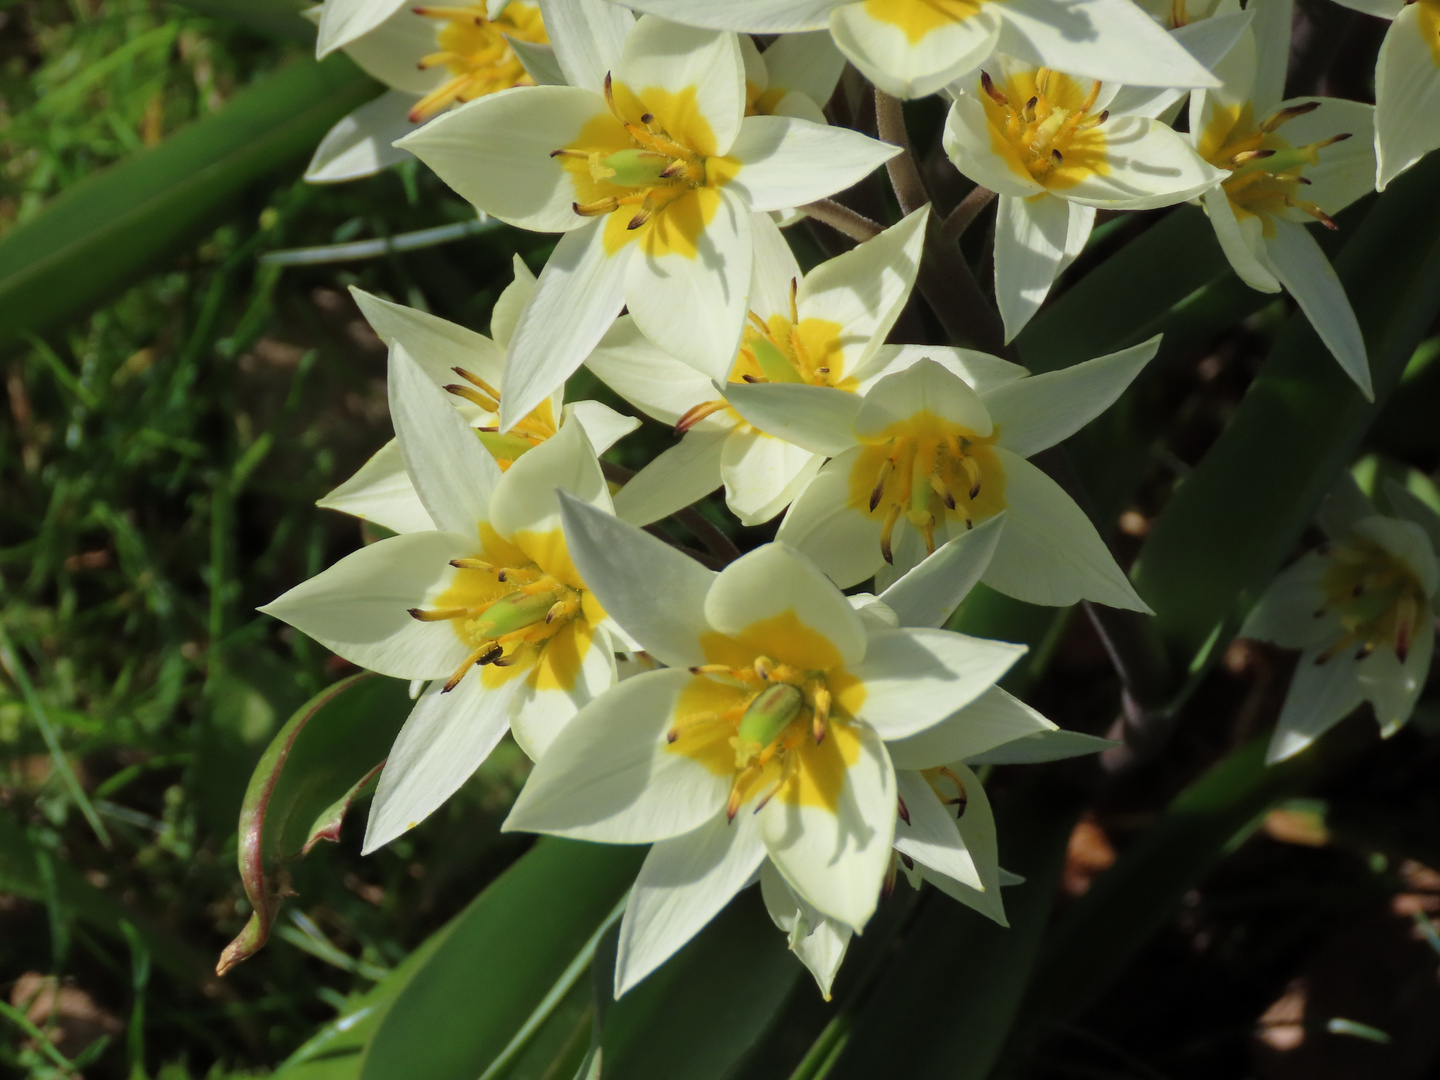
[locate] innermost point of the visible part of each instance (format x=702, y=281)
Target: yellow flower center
x=1042, y=127
x=1429, y=25
x=515, y=617
x=926, y=469
x=785, y=349
x=776, y=726
x=475, y=51
x=650, y=164
x=1266, y=172
x=1378, y=599
x=537, y=426
x=919, y=18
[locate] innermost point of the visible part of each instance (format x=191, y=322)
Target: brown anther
x=471, y=564
x=476, y=380
x=1365, y=650
x=751, y=379
x=1057, y=157
x=878, y=491
x=994, y=92
x=503, y=575
x=647, y=118
x=904, y=810
x=1250, y=155
x=438, y=614
x=556, y=610
x=694, y=415
x=641, y=219
x=909, y=862
x=1286, y=115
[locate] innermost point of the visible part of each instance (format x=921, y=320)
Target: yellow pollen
x=1053, y=138
x=1377, y=598
x=475, y=51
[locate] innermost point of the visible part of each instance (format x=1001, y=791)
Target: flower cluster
x=744, y=715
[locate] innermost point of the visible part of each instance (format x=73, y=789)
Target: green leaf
x=312, y=770
x=272, y=18
x=507, y=953
x=97, y=237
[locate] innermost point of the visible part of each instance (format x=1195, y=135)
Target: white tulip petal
x=977, y=829
x=819, y=943
x=656, y=594
x=519, y=182
x=672, y=58
x=820, y=419
x=1242, y=242
x=775, y=582
x=360, y=607
x=1307, y=275
x=526, y=506
x=841, y=540
x=678, y=477
x=925, y=386
x=931, y=836
x=980, y=371
x=1346, y=170
x=444, y=740
x=683, y=884
x=836, y=858
x=651, y=379
x=603, y=426
x=360, y=144
x=994, y=719
x=1042, y=746
x=787, y=162
x=693, y=306
x=588, y=37
x=1208, y=40
x=342, y=21
x=437, y=345
x=1407, y=96
x=751, y=16
x=1407, y=541
x=929, y=594
x=1035, y=240
x=989, y=160
x=1149, y=166
x=576, y=298
x=900, y=64
x=1036, y=413
x=915, y=678
x=538, y=716
x=1272, y=29
x=808, y=64
x=763, y=475
x=1392, y=686
x=612, y=778
x=506, y=314
x=1052, y=554
x=1110, y=40
x=1289, y=610
x=381, y=492
x=1321, y=695
x=539, y=61
x=775, y=270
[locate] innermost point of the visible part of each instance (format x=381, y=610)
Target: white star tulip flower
x=488, y=604
x=430, y=57
x=911, y=48
x=1055, y=150
x=651, y=169
x=1362, y=611
x=1407, y=84
x=825, y=329
x=1289, y=163
x=794, y=76
x=471, y=367
x=766, y=739
x=934, y=448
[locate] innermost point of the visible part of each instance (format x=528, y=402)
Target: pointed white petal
x=775, y=270
x=1346, y=170
x=1035, y=240
x=577, y=297
x=1150, y=166
x=692, y=304
x=820, y=419
x=925, y=386
x=819, y=943
x=612, y=778
x=977, y=829
x=834, y=854
x=603, y=426
x=1035, y=413
x=674, y=59
x=495, y=152
x=342, y=21
x=453, y=474
x=1287, y=612
x=910, y=66
x=526, y=506
x=980, y=371
x=1208, y=40
x=993, y=719
x=443, y=742
x=932, y=835
x=930, y=593
x=1307, y=275
x=1271, y=27
x=436, y=344
x=681, y=475
x=1043, y=746
x=539, y=61
x=808, y=64
x=381, y=492
x=651, y=590
x=915, y=678
x=683, y=884
x=776, y=582
x=763, y=475
x=360, y=144
x=1051, y=553
x=842, y=540
x=1110, y=40
x=588, y=37
x=651, y=379
x=1242, y=242
x=787, y=162
x=752, y=16
x=360, y=607
x=1407, y=96
x=1408, y=542
x=539, y=714
x=513, y=298
x=392, y=52
x=1321, y=695
x=1394, y=687
x=982, y=154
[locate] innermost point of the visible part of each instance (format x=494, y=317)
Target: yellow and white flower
x=939, y=446
x=911, y=48
x=765, y=739
x=650, y=168
x=1289, y=163
x=1362, y=610
x=794, y=76
x=471, y=368
x=487, y=605
x=431, y=57
x=1407, y=84
x=1056, y=148
x=824, y=329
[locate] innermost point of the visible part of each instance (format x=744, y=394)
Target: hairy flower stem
x=966, y=211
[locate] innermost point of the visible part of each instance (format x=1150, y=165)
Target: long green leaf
x=273, y=18
x=97, y=237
